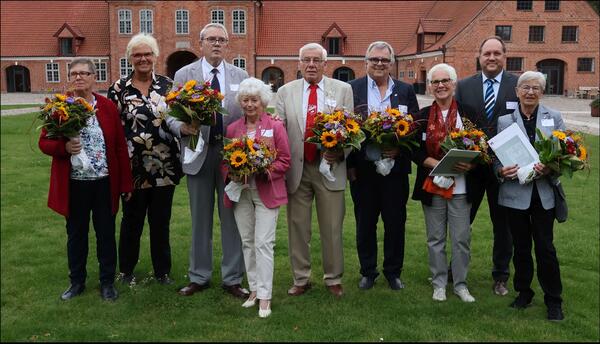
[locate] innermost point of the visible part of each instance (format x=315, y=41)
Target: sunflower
x=559, y=135
x=352, y=126
x=582, y=153
x=393, y=112
x=61, y=97
x=238, y=158
x=197, y=99
x=328, y=140
x=403, y=128
x=250, y=145
x=189, y=85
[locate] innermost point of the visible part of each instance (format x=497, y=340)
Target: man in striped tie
x=486, y=96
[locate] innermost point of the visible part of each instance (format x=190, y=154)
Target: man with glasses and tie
x=203, y=174
x=297, y=103
x=373, y=193
x=486, y=96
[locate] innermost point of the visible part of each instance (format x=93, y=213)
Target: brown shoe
x=297, y=290
x=237, y=291
x=500, y=288
x=336, y=289
x=192, y=288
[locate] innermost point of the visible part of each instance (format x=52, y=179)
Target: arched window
x=343, y=74
x=274, y=77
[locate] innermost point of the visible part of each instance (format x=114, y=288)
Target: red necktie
x=310, y=149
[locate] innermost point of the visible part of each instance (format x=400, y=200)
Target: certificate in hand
x=513, y=147
x=446, y=165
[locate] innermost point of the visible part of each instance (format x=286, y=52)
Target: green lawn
x=34, y=274
x=18, y=106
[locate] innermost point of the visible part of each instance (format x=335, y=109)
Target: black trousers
x=535, y=223
x=91, y=196
x=157, y=203
x=502, y=247
x=374, y=194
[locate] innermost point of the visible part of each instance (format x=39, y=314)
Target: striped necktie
x=490, y=99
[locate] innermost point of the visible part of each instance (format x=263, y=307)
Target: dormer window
x=333, y=45
x=66, y=47
x=333, y=40
x=69, y=39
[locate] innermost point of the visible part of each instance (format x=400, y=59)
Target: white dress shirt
x=496, y=85
x=375, y=101
x=320, y=99
x=208, y=75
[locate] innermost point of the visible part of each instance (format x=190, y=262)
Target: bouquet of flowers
x=197, y=104
x=563, y=152
x=388, y=129
x=470, y=138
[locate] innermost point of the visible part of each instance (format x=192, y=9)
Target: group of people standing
x=139, y=152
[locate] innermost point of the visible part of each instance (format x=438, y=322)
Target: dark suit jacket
x=402, y=94
x=469, y=93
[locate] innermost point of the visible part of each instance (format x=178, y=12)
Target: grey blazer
x=233, y=77
x=517, y=196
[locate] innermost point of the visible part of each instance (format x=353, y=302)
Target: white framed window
x=125, y=22
x=101, y=71
x=238, y=22
x=125, y=67
x=217, y=16
x=411, y=74
x=182, y=22
x=240, y=62
x=52, y=72
x=146, y=21
x=401, y=74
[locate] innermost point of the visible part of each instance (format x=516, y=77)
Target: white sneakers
x=439, y=294
x=464, y=295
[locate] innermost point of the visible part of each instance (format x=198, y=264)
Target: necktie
x=217, y=130
x=310, y=149
x=489, y=99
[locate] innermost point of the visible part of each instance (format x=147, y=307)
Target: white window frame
x=128, y=67
x=411, y=74
x=241, y=23
x=55, y=70
x=185, y=23
x=220, y=13
x=101, y=67
x=401, y=74
x=122, y=16
x=147, y=22
x=237, y=60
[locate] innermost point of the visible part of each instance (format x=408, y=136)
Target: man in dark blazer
x=486, y=96
x=373, y=193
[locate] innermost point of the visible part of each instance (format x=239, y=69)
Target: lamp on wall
x=16, y=63
x=272, y=61
x=343, y=61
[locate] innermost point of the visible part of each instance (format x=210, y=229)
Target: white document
x=234, y=87
x=403, y=108
x=513, y=147
x=511, y=105
x=446, y=165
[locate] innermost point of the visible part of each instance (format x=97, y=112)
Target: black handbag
x=561, y=211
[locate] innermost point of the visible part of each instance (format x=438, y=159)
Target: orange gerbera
x=352, y=126
x=403, y=128
x=238, y=158
x=328, y=140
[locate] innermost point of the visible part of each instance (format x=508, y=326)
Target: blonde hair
x=142, y=38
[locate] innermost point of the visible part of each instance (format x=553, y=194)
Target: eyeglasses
x=444, y=82
x=527, y=88
x=140, y=55
x=74, y=75
x=308, y=60
x=214, y=40
x=377, y=60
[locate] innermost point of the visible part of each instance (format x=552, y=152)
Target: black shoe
x=366, y=282
x=126, y=278
x=555, y=313
x=164, y=280
x=74, y=290
x=108, y=292
x=395, y=283
x=521, y=302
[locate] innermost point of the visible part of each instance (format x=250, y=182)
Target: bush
x=595, y=103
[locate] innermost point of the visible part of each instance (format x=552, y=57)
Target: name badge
x=511, y=105
x=330, y=102
x=403, y=108
x=548, y=122
x=234, y=87
x=266, y=132
x=424, y=137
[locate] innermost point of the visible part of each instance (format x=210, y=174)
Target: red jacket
x=119, y=169
x=272, y=192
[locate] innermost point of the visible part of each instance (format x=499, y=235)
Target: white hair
x=142, y=38
x=532, y=75
x=255, y=87
x=380, y=45
x=443, y=67
x=215, y=25
x=313, y=46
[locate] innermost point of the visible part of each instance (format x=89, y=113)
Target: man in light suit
x=373, y=193
x=483, y=107
x=203, y=174
x=296, y=102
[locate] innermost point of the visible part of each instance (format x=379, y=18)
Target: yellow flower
x=559, y=134
x=328, y=140
x=229, y=146
x=250, y=145
x=393, y=112
x=189, y=85
x=582, y=153
x=60, y=97
x=172, y=95
x=197, y=100
x=403, y=128
x=352, y=126
x=238, y=158
x=454, y=134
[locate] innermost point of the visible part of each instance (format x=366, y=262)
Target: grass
x=18, y=106
x=34, y=274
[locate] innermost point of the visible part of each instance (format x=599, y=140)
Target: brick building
x=559, y=38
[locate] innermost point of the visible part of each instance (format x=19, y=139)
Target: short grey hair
x=254, y=87
x=380, y=45
x=443, y=67
x=142, y=38
x=215, y=25
x=83, y=61
x=313, y=46
x=532, y=75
